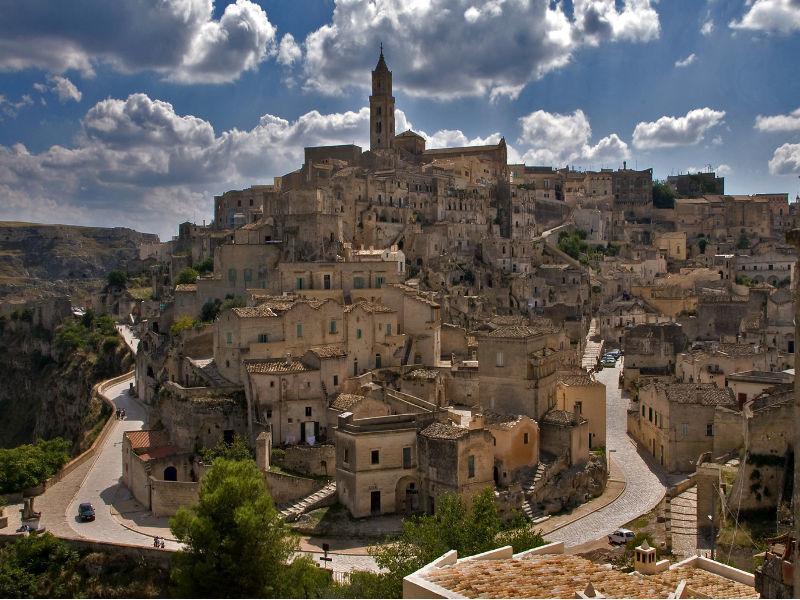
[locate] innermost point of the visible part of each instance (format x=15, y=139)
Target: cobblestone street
x=683, y=523
x=645, y=486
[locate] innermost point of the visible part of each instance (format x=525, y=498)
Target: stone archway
x=170, y=474
x=407, y=500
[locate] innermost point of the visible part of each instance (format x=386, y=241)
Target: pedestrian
x=155, y=542
x=163, y=545
x=117, y=414
x=123, y=414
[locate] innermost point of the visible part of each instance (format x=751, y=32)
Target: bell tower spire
x=381, y=107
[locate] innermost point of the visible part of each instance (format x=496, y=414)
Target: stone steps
x=293, y=511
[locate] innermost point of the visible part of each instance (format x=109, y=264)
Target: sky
x=136, y=113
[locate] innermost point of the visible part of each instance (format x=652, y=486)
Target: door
x=326, y=282
x=375, y=502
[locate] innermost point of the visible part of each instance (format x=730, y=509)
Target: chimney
x=646, y=562
x=624, y=165
x=263, y=449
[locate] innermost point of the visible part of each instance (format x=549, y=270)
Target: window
x=684, y=429
x=375, y=457
x=346, y=456
x=709, y=429
x=248, y=274
x=232, y=275
x=579, y=408
x=358, y=283
x=299, y=330
x=358, y=334
x=388, y=329
x=471, y=465
x=377, y=361
x=308, y=411
x=379, y=281
x=299, y=285
x=229, y=338
x=333, y=326
x=499, y=359
x=269, y=413
x=524, y=438
x=335, y=380
x=650, y=414
x=407, y=457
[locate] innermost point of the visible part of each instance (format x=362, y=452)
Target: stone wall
x=311, y=460
x=287, y=488
x=168, y=496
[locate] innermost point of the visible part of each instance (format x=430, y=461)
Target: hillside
x=42, y=260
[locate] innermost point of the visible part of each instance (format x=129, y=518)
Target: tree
x=210, y=310
x=38, y=566
x=30, y=464
x=454, y=526
x=663, y=196
x=206, y=266
x=702, y=243
x=236, y=544
x=236, y=450
x=117, y=279
x=744, y=241
x=188, y=275
x=181, y=324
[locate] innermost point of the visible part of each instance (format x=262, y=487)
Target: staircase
x=407, y=352
x=319, y=498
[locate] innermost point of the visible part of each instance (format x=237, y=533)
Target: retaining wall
x=287, y=488
x=166, y=497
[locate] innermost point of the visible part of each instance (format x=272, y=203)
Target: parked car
x=608, y=361
x=86, y=512
x=616, y=353
x=621, y=536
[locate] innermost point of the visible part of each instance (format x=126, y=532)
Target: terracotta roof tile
x=328, y=351
x=186, y=287
x=276, y=365
x=345, y=402
x=149, y=438
x=444, y=431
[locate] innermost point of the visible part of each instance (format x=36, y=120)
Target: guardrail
x=99, y=391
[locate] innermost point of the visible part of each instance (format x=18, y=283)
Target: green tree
x=30, y=464
x=236, y=450
x=210, y=310
x=188, y=275
x=744, y=241
x=454, y=526
x=663, y=196
x=38, y=566
x=236, y=544
x=702, y=243
x=206, y=266
x=181, y=324
x=117, y=279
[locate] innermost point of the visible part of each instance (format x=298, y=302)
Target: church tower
x=381, y=107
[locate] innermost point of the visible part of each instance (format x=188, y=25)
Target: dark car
x=86, y=512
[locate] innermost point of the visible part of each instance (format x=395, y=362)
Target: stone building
x=579, y=393
x=674, y=423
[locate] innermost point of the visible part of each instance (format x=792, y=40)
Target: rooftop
x=562, y=417
x=345, y=402
x=564, y=575
x=493, y=419
x=706, y=394
x=149, y=438
x=444, y=431
x=276, y=366
x=328, y=351
x=577, y=379
x=369, y=307
x=186, y=287
x=523, y=331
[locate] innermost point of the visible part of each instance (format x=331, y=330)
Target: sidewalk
x=614, y=488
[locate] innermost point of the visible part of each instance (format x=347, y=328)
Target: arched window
x=170, y=474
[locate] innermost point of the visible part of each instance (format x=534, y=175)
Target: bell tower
x=381, y=107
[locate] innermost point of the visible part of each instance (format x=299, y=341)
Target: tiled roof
x=149, y=438
x=577, y=379
x=427, y=374
x=370, y=307
x=276, y=365
x=345, y=402
x=444, y=431
x=254, y=312
x=522, y=331
x=706, y=394
x=160, y=452
x=328, y=351
x=493, y=419
x=186, y=287
x=562, y=417
x=739, y=349
x=563, y=575
x=507, y=320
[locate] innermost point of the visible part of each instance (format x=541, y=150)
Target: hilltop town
x=385, y=326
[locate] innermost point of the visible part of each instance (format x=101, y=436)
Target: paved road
x=129, y=336
x=644, y=487
x=102, y=485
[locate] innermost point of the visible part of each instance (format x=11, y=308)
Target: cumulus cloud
x=785, y=160
x=180, y=39
x=139, y=163
x=668, y=131
x=289, y=51
x=559, y=139
x=446, y=49
x=774, y=16
x=790, y=122
x=10, y=108
x=723, y=170
x=686, y=61
x=708, y=27
x=62, y=87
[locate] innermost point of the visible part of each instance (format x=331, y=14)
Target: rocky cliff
x=39, y=260
x=46, y=391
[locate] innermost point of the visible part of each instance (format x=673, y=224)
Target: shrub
x=31, y=464
x=182, y=324
x=117, y=279
x=207, y=266
x=188, y=275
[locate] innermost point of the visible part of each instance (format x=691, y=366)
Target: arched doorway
x=170, y=474
x=407, y=496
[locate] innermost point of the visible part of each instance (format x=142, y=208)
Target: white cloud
x=723, y=170
x=65, y=89
x=180, y=39
x=775, y=16
x=708, y=27
x=289, y=51
x=455, y=48
x=560, y=139
x=785, y=160
x=10, y=108
x=668, y=131
x=686, y=61
x=790, y=122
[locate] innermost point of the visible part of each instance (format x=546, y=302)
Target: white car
x=621, y=536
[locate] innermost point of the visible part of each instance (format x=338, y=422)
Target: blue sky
x=136, y=113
